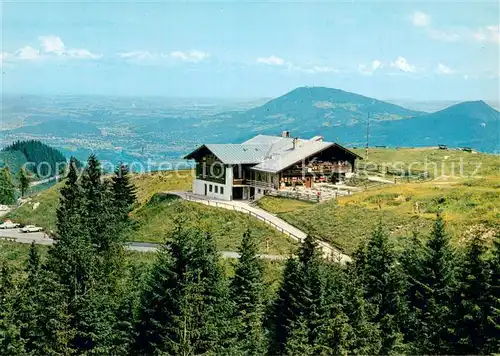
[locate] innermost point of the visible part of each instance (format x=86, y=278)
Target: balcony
x=239, y=182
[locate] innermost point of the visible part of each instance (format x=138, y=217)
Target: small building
x=266, y=163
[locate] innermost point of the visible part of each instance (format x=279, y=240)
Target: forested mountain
x=83, y=299
x=44, y=161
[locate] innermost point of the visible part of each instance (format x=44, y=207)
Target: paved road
x=41, y=238
x=266, y=217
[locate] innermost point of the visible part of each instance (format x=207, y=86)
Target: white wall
x=199, y=187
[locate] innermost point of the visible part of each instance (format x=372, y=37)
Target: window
x=210, y=188
x=222, y=190
x=217, y=189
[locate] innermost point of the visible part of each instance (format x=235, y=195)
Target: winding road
x=40, y=238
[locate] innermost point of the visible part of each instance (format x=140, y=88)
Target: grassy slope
x=434, y=161
x=469, y=205
x=154, y=221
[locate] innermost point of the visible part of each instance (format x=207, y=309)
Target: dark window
x=222, y=190
x=216, y=188
x=210, y=187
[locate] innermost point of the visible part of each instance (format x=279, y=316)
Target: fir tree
x=412, y=261
x=437, y=280
x=123, y=190
x=185, y=307
x=27, y=304
x=303, y=293
x=24, y=181
x=298, y=340
x=7, y=192
x=384, y=286
x=10, y=339
x=472, y=302
x=363, y=335
x=493, y=327
x=284, y=311
x=246, y=292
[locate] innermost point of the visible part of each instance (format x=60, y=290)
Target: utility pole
x=367, y=135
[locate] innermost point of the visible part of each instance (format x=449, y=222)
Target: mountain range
x=127, y=129
x=343, y=117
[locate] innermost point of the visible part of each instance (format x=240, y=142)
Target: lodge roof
x=268, y=153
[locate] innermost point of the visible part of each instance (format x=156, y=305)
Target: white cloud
x=138, y=55
x=370, y=69
x=444, y=69
x=51, y=44
x=271, y=60
x=488, y=34
x=442, y=35
x=50, y=47
x=192, y=56
x=319, y=69
x=27, y=53
x=420, y=19
x=402, y=64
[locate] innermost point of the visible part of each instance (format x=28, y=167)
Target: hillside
x=468, y=199
x=154, y=215
x=45, y=161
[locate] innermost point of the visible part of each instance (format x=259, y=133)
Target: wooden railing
x=239, y=181
x=260, y=184
x=220, y=204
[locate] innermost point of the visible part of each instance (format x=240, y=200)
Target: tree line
x=45, y=161
x=80, y=299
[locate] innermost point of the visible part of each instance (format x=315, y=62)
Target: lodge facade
x=266, y=163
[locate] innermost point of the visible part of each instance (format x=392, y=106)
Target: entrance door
x=205, y=189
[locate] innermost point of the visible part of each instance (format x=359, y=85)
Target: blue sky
x=388, y=50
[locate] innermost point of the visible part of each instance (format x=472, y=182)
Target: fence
x=323, y=245
x=233, y=207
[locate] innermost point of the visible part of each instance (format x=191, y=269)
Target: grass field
x=434, y=161
x=154, y=220
x=469, y=206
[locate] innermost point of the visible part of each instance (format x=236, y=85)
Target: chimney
x=285, y=134
x=295, y=140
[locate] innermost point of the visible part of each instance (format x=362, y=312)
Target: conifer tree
x=363, y=335
x=472, y=302
x=247, y=292
x=298, y=341
x=10, y=339
x=384, y=286
x=493, y=328
x=411, y=261
x=7, y=192
x=438, y=281
x=124, y=192
x=284, y=309
x=27, y=304
x=303, y=293
x=184, y=309
x=24, y=181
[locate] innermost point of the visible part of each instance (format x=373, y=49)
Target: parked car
x=7, y=224
x=31, y=228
